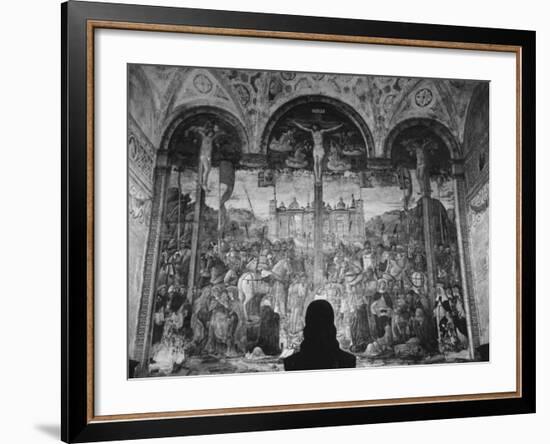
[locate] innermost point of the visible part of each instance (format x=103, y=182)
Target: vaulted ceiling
x=158, y=93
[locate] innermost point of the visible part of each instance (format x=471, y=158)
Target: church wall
x=476, y=147
x=478, y=222
x=141, y=155
x=142, y=101
x=476, y=140
x=252, y=97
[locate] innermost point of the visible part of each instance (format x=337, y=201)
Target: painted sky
x=299, y=184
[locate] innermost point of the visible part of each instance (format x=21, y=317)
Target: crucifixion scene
x=282, y=221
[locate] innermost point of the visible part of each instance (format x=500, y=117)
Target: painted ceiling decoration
x=202, y=83
x=253, y=96
x=423, y=97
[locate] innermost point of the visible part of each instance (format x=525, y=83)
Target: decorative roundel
x=423, y=97
x=288, y=76
x=243, y=94
x=132, y=147
x=202, y=83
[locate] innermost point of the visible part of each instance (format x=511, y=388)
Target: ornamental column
x=148, y=289
x=463, y=249
x=427, y=223
x=420, y=148
x=194, y=263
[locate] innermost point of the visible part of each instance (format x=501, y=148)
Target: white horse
x=251, y=284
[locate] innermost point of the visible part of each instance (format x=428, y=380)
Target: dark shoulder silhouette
x=299, y=361
x=320, y=348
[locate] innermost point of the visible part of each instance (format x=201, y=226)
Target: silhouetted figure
x=320, y=348
x=269, y=331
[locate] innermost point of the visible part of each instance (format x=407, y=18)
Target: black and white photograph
x=283, y=221
x=275, y=222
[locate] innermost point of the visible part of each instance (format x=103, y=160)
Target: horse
x=253, y=284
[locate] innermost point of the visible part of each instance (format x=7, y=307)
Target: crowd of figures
x=252, y=296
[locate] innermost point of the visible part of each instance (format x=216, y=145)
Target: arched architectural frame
x=161, y=178
x=438, y=128
x=456, y=157
x=340, y=105
x=193, y=109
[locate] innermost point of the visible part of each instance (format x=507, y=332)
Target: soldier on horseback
x=218, y=319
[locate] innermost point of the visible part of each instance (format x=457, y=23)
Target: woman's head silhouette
x=319, y=331
x=320, y=348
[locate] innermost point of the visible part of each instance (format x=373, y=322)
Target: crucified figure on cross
x=318, y=149
x=421, y=148
x=207, y=132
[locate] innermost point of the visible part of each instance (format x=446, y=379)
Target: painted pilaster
x=194, y=263
x=148, y=291
x=463, y=252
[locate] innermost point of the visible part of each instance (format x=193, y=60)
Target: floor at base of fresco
x=211, y=365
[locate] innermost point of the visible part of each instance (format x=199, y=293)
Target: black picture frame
x=77, y=425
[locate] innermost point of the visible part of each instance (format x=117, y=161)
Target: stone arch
x=341, y=106
x=185, y=113
x=433, y=125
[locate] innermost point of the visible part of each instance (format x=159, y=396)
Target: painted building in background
x=342, y=222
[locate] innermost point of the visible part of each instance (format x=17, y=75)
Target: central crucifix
x=318, y=148
x=318, y=157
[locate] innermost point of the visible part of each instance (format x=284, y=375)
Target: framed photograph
x=276, y=221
